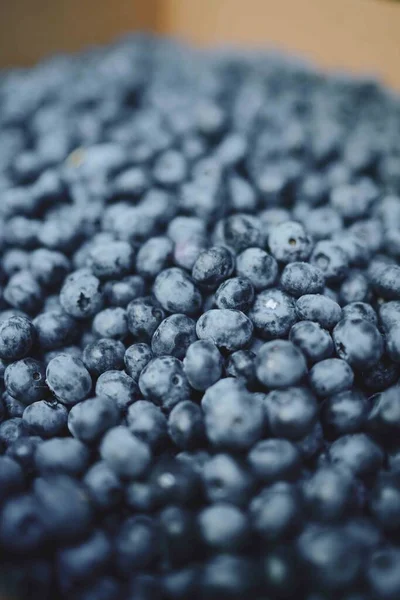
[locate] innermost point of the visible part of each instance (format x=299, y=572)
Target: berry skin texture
x=89, y=419
x=136, y=358
x=331, y=376
x=301, y=278
x=228, y=329
x=291, y=412
x=176, y=292
x=202, y=364
x=44, y=418
x=25, y=380
x=125, y=454
x=258, y=266
x=273, y=314
x=173, y=336
x=358, y=342
x=163, y=381
x=235, y=293
x=280, y=364
x=314, y=341
x=233, y=417
x=289, y=242
x=331, y=259
x=81, y=296
x=213, y=266
x=17, y=336
x=68, y=379
x=320, y=309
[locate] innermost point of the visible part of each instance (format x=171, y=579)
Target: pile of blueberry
x=199, y=329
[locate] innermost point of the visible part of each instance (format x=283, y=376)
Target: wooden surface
x=359, y=35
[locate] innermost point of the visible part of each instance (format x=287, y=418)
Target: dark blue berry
x=173, y=336
x=103, y=355
x=314, y=341
x=17, y=335
x=280, y=364
x=228, y=329
x=236, y=293
x=68, y=379
x=273, y=314
x=44, y=418
x=163, y=381
x=320, y=309
x=331, y=376
x=202, y=364
x=25, y=380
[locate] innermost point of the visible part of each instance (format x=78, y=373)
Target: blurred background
x=360, y=35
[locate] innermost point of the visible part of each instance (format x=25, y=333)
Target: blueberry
x=235, y=293
x=23, y=292
x=64, y=507
x=124, y=453
x=68, y=379
x=25, y=380
x=381, y=376
x=179, y=535
x=289, y=242
x=103, y=355
x=226, y=479
x=281, y=573
x=241, y=231
x=384, y=280
x=174, y=482
x=320, y=309
x=154, y=256
x=136, y=358
x=291, y=412
x=331, y=259
x=232, y=576
x=275, y=512
x=327, y=493
x=384, y=502
x=273, y=313
x=331, y=560
x=280, y=364
x=359, y=310
x=344, y=412
x=242, y=195
x=223, y=527
x=274, y=460
x=118, y=387
x=111, y=323
x=11, y=477
x=88, y=420
x=233, y=417
x=144, y=316
x=358, y=342
x=258, y=266
x=81, y=295
x=176, y=292
x=23, y=450
x=213, y=266
x=301, y=278
x=62, y=455
x=383, y=574
x=186, y=425
x=312, y=443
x=55, y=329
x=21, y=524
x=49, y=267
x=355, y=288
x=111, y=260
x=85, y=559
x=314, y=341
x=240, y=364
x=140, y=496
x=331, y=376
x=187, y=250
x=103, y=485
x=357, y=452
x=17, y=335
x=173, y=336
x=163, y=380
x=147, y=422
x=44, y=418
x=15, y=260
x=324, y=221
x=384, y=415
x=137, y=544
x=202, y=364
x=121, y=292
x=228, y=329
